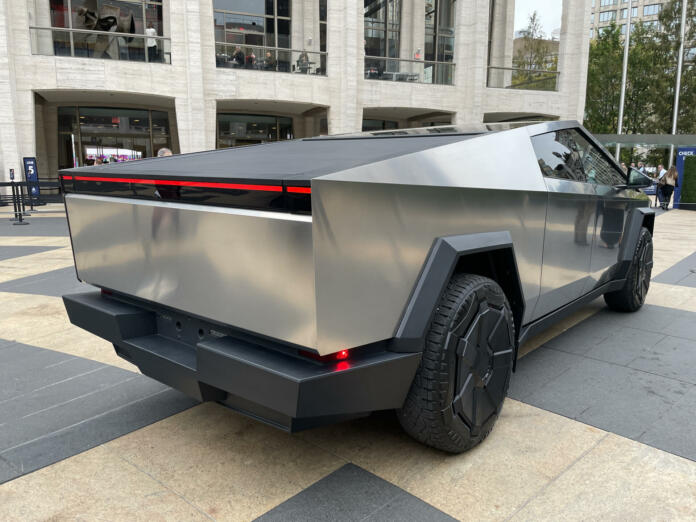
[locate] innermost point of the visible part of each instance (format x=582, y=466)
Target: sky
x=549, y=12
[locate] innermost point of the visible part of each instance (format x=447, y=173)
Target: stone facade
x=193, y=90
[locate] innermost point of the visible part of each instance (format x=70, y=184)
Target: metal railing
x=275, y=59
x=83, y=43
x=403, y=70
x=523, y=79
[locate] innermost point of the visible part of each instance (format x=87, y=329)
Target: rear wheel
x=460, y=386
x=632, y=295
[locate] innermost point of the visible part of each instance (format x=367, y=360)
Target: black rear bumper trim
x=286, y=391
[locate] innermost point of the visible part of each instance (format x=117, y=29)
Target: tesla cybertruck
x=318, y=280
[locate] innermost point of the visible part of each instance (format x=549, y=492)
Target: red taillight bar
x=200, y=184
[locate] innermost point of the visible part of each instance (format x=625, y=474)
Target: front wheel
x=461, y=383
x=632, y=295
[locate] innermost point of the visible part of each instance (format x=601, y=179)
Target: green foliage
x=536, y=57
x=650, y=82
x=688, y=190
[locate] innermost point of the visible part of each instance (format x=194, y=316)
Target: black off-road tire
x=632, y=295
x=459, y=388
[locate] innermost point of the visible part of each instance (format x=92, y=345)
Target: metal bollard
x=14, y=202
x=21, y=198
x=19, y=220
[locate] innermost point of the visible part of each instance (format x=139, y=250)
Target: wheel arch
x=489, y=254
x=638, y=218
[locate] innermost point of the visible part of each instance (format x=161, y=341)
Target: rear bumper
x=273, y=385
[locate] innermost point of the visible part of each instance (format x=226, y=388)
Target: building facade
x=87, y=81
x=606, y=12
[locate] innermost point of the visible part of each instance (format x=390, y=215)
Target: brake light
x=338, y=356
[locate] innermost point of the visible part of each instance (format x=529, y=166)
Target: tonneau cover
x=294, y=162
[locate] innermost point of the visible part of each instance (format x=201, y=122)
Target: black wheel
x=632, y=296
x=460, y=386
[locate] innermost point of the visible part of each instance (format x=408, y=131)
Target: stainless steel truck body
x=299, y=282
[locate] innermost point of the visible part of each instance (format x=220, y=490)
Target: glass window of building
x=382, y=28
x=605, y=3
x=439, y=36
x=624, y=12
x=651, y=9
x=250, y=34
x=140, y=21
x=89, y=135
x=524, y=42
x=607, y=16
x=375, y=125
x=236, y=130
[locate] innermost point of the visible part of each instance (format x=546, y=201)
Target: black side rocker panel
x=436, y=273
x=275, y=386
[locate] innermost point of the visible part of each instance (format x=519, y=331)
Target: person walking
x=670, y=181
x=660, y=182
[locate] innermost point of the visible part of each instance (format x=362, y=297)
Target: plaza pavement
x=599, y=423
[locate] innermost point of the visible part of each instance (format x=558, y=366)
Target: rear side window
x=567, y=154
x=560, y=155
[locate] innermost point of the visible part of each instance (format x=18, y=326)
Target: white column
x=573, y=57
x=9, y=145
x=345, y=65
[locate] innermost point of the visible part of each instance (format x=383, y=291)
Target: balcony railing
x=523, y=79
x=82, y=43
x=275, y=59
x=402, y=70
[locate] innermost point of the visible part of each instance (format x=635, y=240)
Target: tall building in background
x=83, y=81
x=604, y=12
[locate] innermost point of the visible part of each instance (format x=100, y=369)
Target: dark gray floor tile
x=634, y=403
x=537, y=369
x=673, y=357
x=25, y=368
x=624, y=345
x=10, y=252
x=582, y=337
x=683, y=325
x=407, y=508
x=7, y=471
x=44, y=226
x=650, y=318
x=675, y=274
x=689, y=281
x=585, y=383
x=351, y=493
x=675, y=431
x=62, y=391
x=64, y=415
x=55, y=283
x=97, y=430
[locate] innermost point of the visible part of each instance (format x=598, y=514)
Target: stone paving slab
x=352, y=494
x=682, y=273
x=622, y=373
x=54, y=405
x=46, y=226
x=54, y=283
x=10, y=252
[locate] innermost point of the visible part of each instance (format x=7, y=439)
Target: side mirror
x=638, y=180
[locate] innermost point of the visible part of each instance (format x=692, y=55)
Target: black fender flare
x=437, y=271
x=636, y=219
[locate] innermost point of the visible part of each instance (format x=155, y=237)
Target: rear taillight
x=343, y=355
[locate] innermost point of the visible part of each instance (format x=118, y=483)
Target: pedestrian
x=623, y=167
x=238, y=57
x=641, y=167
x=152, y=53
x=670, y=181
x=660, y=172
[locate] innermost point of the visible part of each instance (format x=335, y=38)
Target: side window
x=560, y=155
x=599, y=170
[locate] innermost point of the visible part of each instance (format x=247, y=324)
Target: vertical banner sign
x=682, y=154
x=31, y=175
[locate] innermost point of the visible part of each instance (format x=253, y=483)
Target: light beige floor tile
x=42, y=321
x=619, y=479
x=232, y=467
x=527, y=448
x=95, y=485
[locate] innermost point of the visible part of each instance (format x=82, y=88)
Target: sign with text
x=682, y=154
x=31, y=176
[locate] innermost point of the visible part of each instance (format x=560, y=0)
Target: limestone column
x=345, y=65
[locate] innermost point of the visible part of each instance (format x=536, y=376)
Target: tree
x=604, y=81
x=534, y=57
x=650, y=80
